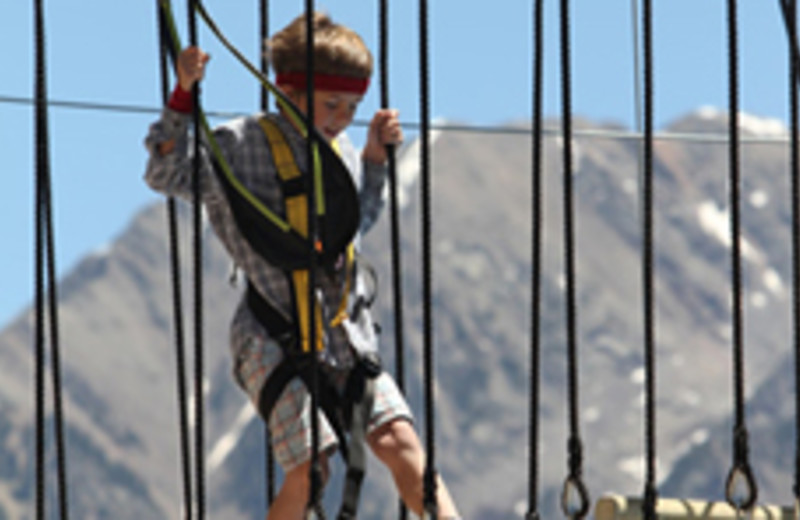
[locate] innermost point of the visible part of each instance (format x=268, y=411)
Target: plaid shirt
x=244, y=146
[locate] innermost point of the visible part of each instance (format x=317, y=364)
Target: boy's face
x=333, y=110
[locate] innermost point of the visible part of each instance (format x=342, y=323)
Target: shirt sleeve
x=171, y=173
x=371, y=195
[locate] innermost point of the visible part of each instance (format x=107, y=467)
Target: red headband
x=324, y=82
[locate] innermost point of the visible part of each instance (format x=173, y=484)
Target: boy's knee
x=394, y=439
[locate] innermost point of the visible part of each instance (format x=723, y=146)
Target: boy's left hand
x=384, y=129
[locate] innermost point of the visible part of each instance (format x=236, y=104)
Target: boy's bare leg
x=397, y=445
x=292, y=499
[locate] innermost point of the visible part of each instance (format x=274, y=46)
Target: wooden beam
x=615, y=507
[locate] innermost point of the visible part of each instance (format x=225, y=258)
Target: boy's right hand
x=191, y=66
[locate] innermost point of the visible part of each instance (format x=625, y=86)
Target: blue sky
x=106, y=52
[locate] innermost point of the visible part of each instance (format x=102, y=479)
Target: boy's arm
x=169, y=168
x=170, y=164
x=384, y=129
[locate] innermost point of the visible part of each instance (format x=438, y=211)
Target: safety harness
x=347, y=409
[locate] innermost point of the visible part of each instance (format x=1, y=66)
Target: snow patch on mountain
x=409, y=168
x=755, y=125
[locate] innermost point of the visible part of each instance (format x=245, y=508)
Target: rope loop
x=574, y=497
x=741, y=490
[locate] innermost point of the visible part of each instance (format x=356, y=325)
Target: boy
x=343, y=66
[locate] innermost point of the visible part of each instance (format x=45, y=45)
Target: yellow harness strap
x=297, y=215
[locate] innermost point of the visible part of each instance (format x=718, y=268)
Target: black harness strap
x=259, y=225
x=361, y=392
x=299, y=365
x=350, y=408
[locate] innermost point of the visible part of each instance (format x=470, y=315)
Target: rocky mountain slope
x=119, y=361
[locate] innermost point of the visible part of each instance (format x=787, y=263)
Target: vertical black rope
x=574, y=497
x=395, y=208
x=394, y=213
x=177, y=299
x=536, y=248
x=789, y=14
x=314, y=500
x=740, y=489
x=42, y=172
x=42, y=166
x=569, y=257
x=650, y=490
x=41, y=104
x=46, y=275
x=429, y=495
x=264, y=34
x=794, y=171
x=734, y=167
x=180, y=360
x=198, y=284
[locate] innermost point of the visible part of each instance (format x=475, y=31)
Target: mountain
x=119, y=362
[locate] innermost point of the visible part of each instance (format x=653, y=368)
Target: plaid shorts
x=290, y=420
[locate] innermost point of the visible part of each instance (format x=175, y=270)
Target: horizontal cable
x=103, y=107
x=597, y=133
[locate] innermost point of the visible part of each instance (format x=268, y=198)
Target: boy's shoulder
x=244, y=129
x=236, y=127
x=241, y=122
